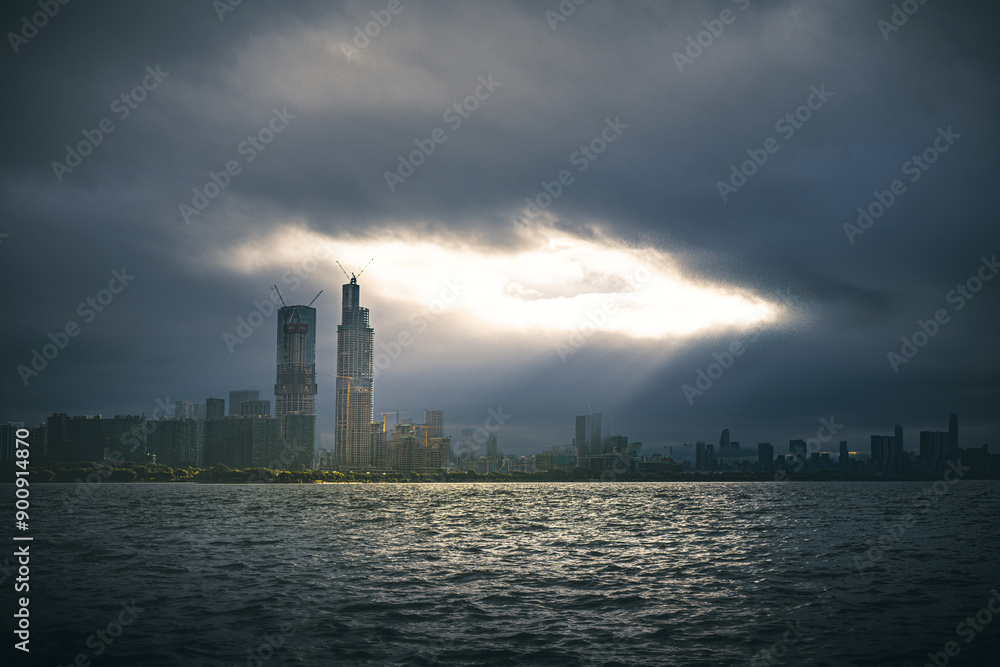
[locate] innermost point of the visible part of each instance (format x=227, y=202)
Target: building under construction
x=354, y=446
x=295, y=387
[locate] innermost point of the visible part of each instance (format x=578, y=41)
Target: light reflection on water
x=630, y=573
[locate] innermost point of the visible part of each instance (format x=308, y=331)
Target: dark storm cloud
x=349, y=118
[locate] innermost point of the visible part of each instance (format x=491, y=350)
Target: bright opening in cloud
x=553, y=282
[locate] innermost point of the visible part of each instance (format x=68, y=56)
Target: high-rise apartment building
x=236, y=399
x=255, y=408
x=434, y=421
x=8, y=440
x=91, y=438
x=77, y=438
x=886, y=454
x=295, y=383
x=178, y=442
x=934, y=446
x=797, y=448
x=355, y=398
x=241, y=442
x=711, y=462
x=215, y=408
x=765, y=456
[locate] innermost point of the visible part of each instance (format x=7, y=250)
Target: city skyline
x=533, y=260
x=296, y=345
x=251, y=440
x=502, y=332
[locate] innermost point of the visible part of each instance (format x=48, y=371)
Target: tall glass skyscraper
x=295, y=387
x=355, y=401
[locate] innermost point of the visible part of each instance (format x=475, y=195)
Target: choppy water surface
x=512, y=574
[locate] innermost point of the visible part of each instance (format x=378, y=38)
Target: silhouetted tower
x=355, y=400
x=295, y=381
x=596, y=445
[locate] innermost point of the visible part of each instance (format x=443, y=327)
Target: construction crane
x=314, y=298
x=354, y=277
x=343, y=269
x=281, y=298
x=391, y=412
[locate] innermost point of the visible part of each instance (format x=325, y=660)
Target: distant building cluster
x=886, y=457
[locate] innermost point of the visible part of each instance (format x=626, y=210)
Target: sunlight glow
x=551, y=282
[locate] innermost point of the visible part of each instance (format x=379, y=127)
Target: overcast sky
x=710, y=156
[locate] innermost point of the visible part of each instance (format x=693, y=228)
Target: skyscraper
x=582, y=451
x=434, y=421
x=887, y=454
x=934, y=446
x=295, y=385
x=765, y=455
x=236, y=399
x=596, y=443
x=710, y=461
x=355, y=398
x=797, y=448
